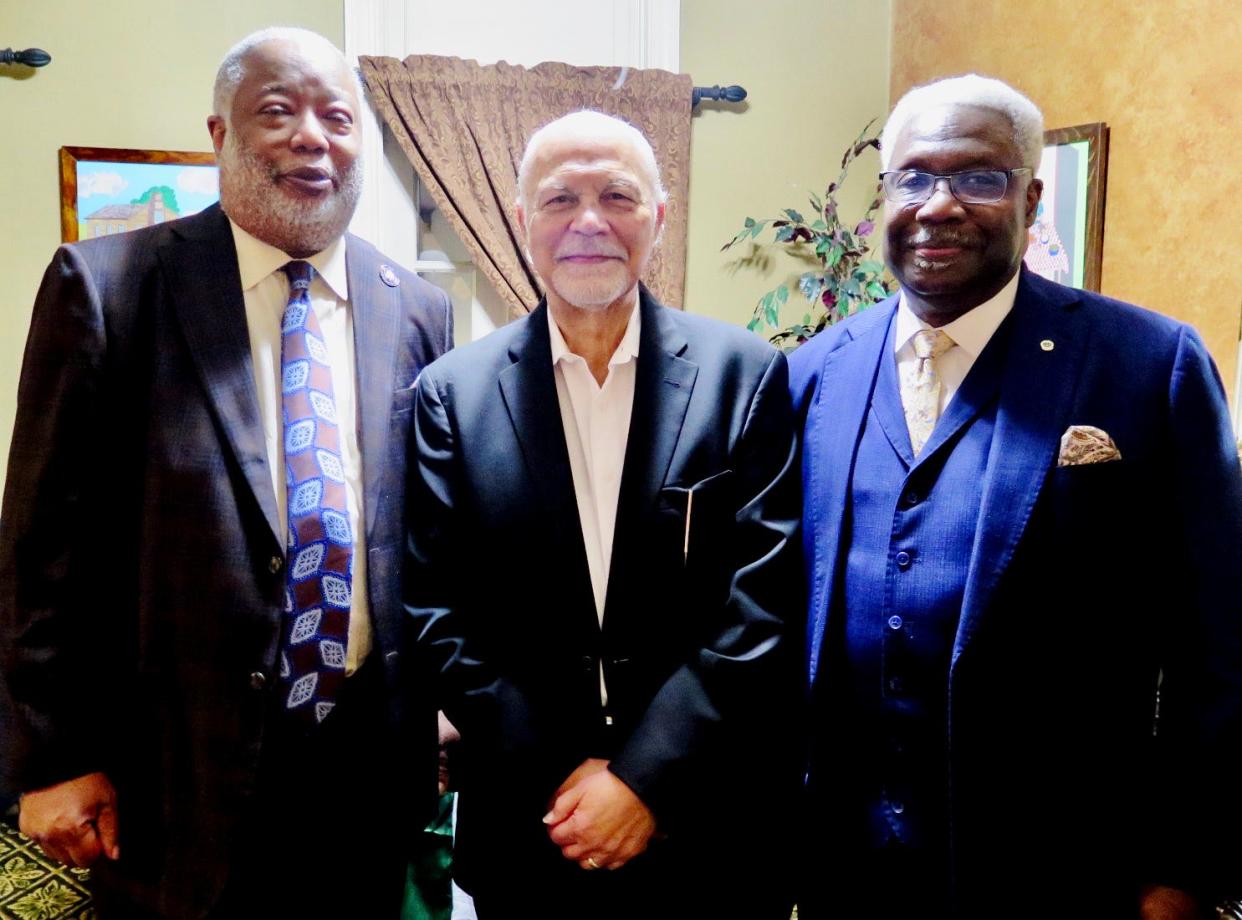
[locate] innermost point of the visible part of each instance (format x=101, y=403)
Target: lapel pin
x=388, y=276
x=1047, y=345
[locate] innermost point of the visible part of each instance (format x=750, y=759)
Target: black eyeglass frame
x=951, y=178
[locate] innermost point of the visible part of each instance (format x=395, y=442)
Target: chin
x=591, y=294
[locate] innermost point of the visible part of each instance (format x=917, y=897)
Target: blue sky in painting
x=101, y=184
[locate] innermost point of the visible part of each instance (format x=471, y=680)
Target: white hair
x=592, y=124
x=1025, y=118
x=233, y=67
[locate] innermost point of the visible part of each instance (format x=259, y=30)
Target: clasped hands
x=74, y=821
x=597, y=820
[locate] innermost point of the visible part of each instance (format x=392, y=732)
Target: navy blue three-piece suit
x=987, y=630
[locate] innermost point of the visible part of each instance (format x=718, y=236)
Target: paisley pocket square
x=1083, y=444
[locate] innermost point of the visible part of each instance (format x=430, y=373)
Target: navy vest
x=910, y=528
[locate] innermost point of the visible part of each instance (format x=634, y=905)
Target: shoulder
x=479, y=363
x=808, y=359
x=707, y=337
x=1130, y=331
x=371, y=260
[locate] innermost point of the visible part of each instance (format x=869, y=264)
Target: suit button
x=898, y=807
x=910, y=499
x=588, y=664
x=894, y=622
x=896, y=684
x=903, y=560
x=274, y=564
x=258, y=680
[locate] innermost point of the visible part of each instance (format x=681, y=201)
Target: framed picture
x=1067, y=238
x=110, y=190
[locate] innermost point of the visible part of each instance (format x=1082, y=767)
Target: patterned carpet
x=32, y=887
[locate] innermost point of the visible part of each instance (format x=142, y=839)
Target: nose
x=589, y=221
x=309, y=135
x=941, y=205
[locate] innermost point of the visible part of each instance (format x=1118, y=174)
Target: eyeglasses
x=974, y=186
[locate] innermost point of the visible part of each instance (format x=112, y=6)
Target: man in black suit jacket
x=625, y=473
x=143, y=550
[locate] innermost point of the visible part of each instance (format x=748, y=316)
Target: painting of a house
x=121, y=218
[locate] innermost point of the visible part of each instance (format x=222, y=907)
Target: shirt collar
x=257, y=259
x=626, y=349
x=970, y=331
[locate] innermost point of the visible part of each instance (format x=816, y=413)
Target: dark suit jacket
x=141, y=560
x=1085, y=584
x=699, y=652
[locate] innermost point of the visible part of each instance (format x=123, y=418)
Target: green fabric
x=428, y=892
x=33, y=887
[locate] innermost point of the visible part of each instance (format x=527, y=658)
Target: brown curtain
x=464, y=128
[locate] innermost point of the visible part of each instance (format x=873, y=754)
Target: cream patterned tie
x=920, y=385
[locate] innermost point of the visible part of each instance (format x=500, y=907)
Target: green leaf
x=750, y=222
x=753, y=324
x=782, y=294
x=794, y=215
x=834, y=255
x=877, y=290
x=819, y=225
x=871, y=266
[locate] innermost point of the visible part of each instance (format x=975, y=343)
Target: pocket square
x=1083, y=444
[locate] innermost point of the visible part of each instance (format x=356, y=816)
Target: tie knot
x=931, y=343
x=300, y=272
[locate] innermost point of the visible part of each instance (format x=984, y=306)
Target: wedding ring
x=592, y=863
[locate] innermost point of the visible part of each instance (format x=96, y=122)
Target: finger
x=566, y=832
x=576, y=852
x=106, y=826
x=82, y=847
x=563, y=807
x=591, y=863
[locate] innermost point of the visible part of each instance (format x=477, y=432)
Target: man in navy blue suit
x=1023, y=535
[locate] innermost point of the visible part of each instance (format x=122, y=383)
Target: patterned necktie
x=920, y=385
x=320, y=540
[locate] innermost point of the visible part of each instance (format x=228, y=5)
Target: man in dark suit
x=1022, y=520
x=202, y=532
x=625, y=474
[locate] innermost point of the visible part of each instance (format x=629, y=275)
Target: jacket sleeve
x=1198, y=807
x=49, y=592
x=744, y=681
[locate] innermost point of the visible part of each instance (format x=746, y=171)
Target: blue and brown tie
x=320, y=540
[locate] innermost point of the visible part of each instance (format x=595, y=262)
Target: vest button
x=894, y=622
x=273, y=564
x=258, y=680
x=902, y=559
x=896, y=684
x=910, y=499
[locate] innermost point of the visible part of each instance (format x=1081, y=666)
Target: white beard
x=251, y=196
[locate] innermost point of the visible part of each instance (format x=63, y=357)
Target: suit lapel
x=201, y=272
x=833, y=428
x=377, y=317
x=662, y=388
x=528, y=388
x=1045, y=351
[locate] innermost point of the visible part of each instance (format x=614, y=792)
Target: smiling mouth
x=309, y=181
x=591, y=258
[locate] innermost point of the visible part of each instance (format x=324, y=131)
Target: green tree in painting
x=170, y=197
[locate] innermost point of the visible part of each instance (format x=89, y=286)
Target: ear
x=659, y=221
x=521, y=217
x=1033, y=192
x=217, y=128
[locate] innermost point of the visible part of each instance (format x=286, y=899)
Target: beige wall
x=136, y=73
x=1167, y=77
x=816, y=73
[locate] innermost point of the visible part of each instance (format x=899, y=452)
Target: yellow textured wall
x=816, y=73
x=124, y=73
x=1167, y=78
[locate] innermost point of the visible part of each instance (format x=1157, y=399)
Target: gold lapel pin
x=1047, y=345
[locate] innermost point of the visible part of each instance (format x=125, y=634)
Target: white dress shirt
x=265, y=289
x=970, y=332
x=596, y=420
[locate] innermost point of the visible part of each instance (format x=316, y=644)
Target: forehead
x=295, y=68
x=959, y=135
x=561, y=159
